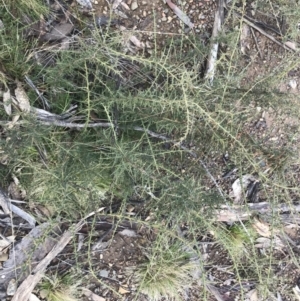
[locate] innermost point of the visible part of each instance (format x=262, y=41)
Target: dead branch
x=244, y=212
x=76, y=125
x=263, y=32
x=8, y=208
x=212, y=58
x=27, y=286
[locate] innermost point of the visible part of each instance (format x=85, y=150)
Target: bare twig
x=256, y=43
x=237, y=213
x=264, y=32
x=7, y=207
x=27, y=286
x=180, y=14
x=212, y=58
x=76, y=125
x=39, y=94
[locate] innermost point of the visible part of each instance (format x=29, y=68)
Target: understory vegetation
x=167, y=139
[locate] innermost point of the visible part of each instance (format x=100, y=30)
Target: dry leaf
x=252, y=295
x=291, y=45
x=264, y=242
x=22, y=98
x=261, y=228
x=7, y=102
x=134, y=40
x=123, y=291
x=3, y=256
x=4, y=243
x=296, y=291
x=91, y=295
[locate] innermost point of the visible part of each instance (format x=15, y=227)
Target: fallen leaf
x=296, y=291
x=22, y=98
x=134, y=40
x=4, y=243
x=252, y=295
x=3, y=256
x=7, y=102
x=264, y=242
x=291, y=45
x=123, y=291
x=91, y=295
x=261, y=228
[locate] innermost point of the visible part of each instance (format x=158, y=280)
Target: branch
x=28, y=285
x=212, y=58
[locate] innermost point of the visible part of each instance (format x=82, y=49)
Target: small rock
x=134, y=5
x=104, y=273
x=11, y=288
x=293, y=84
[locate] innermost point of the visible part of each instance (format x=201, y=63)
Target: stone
x=134, y=5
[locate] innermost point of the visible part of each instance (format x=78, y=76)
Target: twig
x=226, y=214
x=76, y=125
x=7, y=207
x=28, y=285
x=180, y=14
x=40, y=95
x=264, y=32
x=212, y=58
x=256, y=43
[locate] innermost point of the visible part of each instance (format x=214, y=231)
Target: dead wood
x=25, y=255
x=212, y=58
x=27, y=286
x=244, y=212
x=264, y=32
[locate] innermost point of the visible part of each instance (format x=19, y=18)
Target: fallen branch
x=264, y=32
x=28, y=285
x=244, y=212
x=212, y=58
x=76, y=125
x=8, y=208
x=180, y=14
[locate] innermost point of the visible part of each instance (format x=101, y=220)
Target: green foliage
x=57, y=288
x=78, y=171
